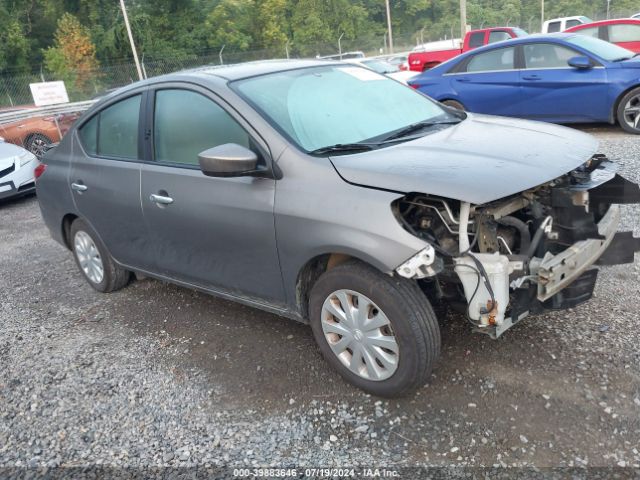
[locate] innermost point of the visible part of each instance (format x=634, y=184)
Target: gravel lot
x=158, y=375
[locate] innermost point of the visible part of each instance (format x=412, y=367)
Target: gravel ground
x=157, y=375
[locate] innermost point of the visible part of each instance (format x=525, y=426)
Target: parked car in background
x=624, y=32
x=338, y=197
x=17, y=167
x=637, y=15
x=401, y=60
x=36, y=134
x=561, y=78
x=382, y=66
x=431, y=54
x=556, y=25
x=342, y=56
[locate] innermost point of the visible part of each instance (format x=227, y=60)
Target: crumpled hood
x=481, y=159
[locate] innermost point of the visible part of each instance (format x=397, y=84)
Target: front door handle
x=79, y=187
x=463, y=80
x=161, y=199
x=531, y=77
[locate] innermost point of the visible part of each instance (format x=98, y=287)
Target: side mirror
x=581, y=63
x=228, y=160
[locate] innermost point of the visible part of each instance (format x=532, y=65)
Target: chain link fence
x=14, y=88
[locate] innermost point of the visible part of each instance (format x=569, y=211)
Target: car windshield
x=605, y=50
x=520, y=33
x=336, y=105
x=380, y=66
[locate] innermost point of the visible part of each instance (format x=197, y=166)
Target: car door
x=488, y=82
x=105, y=179
x=216, y=233
x=555, y=91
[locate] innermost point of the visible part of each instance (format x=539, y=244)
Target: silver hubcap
x=88, y=257
x=360, y=335
x=632, y=112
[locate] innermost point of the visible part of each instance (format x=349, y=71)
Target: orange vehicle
x=37, y=133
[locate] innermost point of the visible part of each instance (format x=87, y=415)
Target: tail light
x=39, y=170
x=414, y=85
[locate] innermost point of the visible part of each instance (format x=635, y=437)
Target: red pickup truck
x=431, y=54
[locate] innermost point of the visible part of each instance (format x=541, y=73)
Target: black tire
x=114, y=276
x=413, y=321
x=453, y=104
x=634, y=97
x=38, y=144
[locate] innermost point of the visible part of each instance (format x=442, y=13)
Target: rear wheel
x=453, y=104
x=93, y=260
x=38, y=144
x=378, y=332
x=629, y=111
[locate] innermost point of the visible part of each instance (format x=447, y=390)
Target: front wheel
x=378, y=332
x=629, y=112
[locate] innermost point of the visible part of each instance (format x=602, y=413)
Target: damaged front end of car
x=533, y=251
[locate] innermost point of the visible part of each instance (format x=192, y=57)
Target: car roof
x=252, y=69
x=222, y=73
x=614, y=21
x=536, y=37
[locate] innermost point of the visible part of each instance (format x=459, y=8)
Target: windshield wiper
x=342, y=148
x=622, y=59
x=416, y=127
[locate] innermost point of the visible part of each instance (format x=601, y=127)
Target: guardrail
x=16, y=115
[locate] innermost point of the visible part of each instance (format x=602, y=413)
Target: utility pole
x=389, y=26
x=133, y=45
x=340, y=45
x=541, y=15
x=608, y=8
x=463, y=18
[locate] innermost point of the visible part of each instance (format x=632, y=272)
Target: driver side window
x=187, y=123
x=547, y=55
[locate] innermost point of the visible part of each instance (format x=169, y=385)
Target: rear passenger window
x=113, y=132
x=89, y=136
x=187, y=123
x=573, y=23
x=476, y=40
x=500, y=59
x=589, y=32
x=118, y=129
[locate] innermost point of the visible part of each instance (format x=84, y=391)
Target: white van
x=561, y=24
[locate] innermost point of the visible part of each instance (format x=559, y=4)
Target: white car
x=637, y=15
x=383, y=67
x=561, y=24
x=17, y=170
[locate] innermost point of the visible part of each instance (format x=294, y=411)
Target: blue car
x=560, y=78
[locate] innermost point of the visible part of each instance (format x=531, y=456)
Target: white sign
x=48, y=93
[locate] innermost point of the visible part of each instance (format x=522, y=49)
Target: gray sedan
x=335, y=196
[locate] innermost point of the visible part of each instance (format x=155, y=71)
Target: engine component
x=482, y=308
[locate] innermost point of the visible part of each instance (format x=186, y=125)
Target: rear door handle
x=160, y=199
x=531, y=77
x=79, y=187
x=463, y=80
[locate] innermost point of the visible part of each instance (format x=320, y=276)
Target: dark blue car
x=561, y=78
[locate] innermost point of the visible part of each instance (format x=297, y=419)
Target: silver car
x=335, y=196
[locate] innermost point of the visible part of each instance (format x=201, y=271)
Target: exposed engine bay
x=524, y=254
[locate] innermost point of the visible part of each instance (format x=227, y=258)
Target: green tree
x=73, y=56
